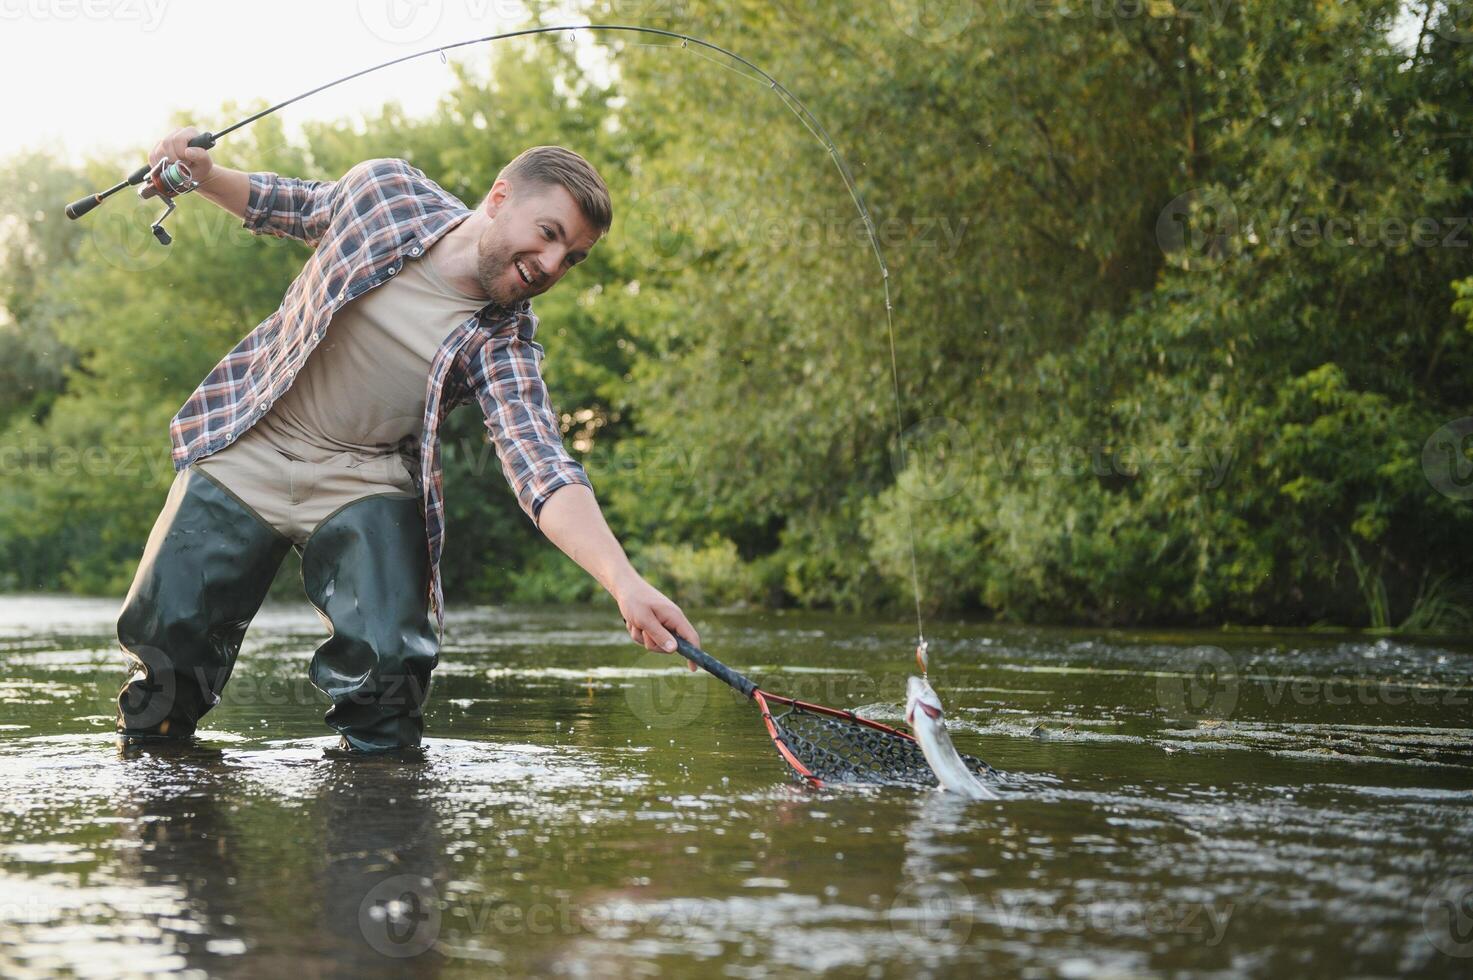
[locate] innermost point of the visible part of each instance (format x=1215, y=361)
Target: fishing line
x=167, y=184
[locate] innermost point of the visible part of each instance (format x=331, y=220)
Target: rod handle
x=82, y=205
x=713, y=666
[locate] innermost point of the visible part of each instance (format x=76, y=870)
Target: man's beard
x=492, y=265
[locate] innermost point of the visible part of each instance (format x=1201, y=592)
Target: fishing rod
x=168, y=180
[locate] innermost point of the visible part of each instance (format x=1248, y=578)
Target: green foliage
x=1180, y=294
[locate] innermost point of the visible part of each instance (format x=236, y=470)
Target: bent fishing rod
x=169, y=179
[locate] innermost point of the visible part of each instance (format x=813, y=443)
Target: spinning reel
x=165, y=180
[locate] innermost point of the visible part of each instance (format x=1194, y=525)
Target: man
x=320, y=431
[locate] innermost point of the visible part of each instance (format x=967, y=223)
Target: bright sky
x=86, y=77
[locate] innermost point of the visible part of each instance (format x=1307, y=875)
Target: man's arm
x=571, y=519
x=266, y=203
x=228, y=188
x=553, y=489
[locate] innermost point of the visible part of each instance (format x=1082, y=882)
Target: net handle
x=713, y=666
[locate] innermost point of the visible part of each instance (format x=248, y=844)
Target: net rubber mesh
x=840, y=749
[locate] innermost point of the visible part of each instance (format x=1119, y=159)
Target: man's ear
x=496, y=197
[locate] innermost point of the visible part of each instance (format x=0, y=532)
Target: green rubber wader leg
x=206, y=569
x=366, y=569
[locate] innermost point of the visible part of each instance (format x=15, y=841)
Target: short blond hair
x=562, y=167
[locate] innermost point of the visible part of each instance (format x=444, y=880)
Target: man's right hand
x=176, y=146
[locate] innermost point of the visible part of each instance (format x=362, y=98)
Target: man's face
x=537, y=234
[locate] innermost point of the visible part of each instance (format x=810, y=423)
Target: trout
x=923, y=713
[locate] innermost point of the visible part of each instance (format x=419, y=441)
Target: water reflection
x=191, y=824
x=561, y=821
x=383, y=863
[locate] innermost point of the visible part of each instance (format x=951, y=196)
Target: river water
x=1240, y=803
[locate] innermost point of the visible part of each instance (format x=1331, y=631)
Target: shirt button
x=261, y=407
x=414, y=250
x=393, y=269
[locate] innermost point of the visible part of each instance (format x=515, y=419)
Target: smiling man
x=320, y=432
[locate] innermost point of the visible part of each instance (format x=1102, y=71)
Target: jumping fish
x=923, y=712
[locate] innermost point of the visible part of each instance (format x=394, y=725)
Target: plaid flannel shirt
x=364, y=227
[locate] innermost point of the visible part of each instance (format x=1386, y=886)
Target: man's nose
x=550, y=262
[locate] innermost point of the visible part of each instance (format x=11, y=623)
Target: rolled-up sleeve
x=288, y=207
x=520, y=423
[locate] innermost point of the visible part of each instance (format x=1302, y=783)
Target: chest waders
x=205, y=571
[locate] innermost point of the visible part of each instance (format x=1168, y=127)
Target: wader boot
x=366, y=569
x=205, y=571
